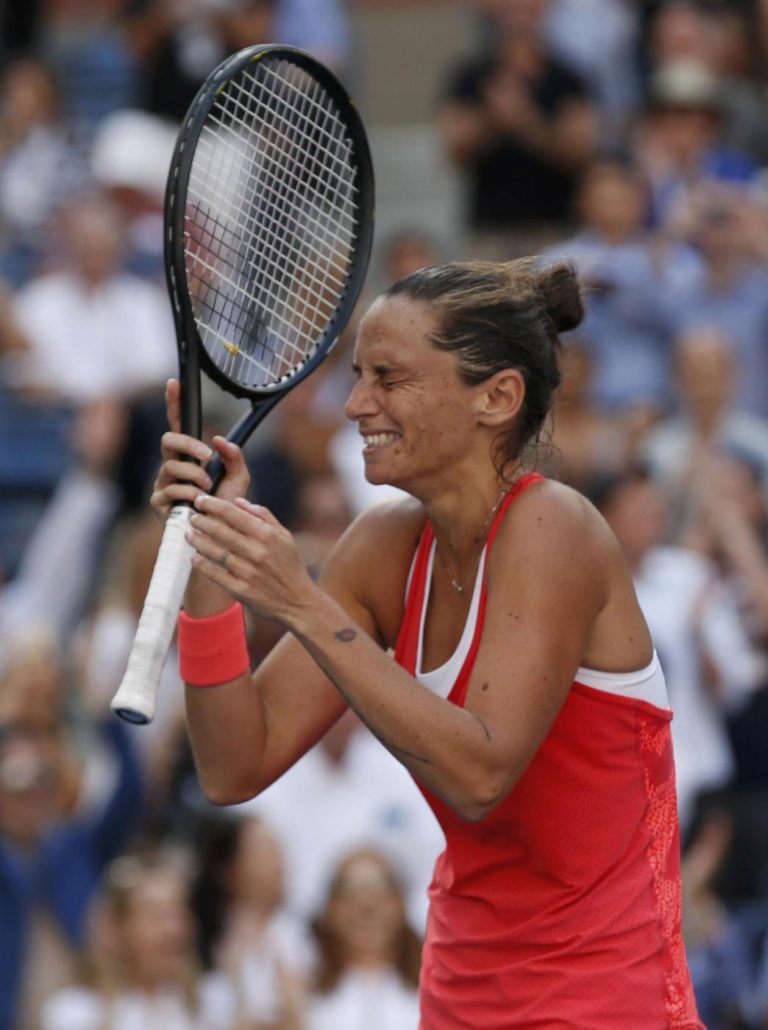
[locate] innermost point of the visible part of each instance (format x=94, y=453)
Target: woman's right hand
x=183, y=480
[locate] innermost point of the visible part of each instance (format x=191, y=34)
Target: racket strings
x=280, y=242
x=271, y=222
x=277, y=252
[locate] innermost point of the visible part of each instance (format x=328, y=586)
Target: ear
x=500, y=398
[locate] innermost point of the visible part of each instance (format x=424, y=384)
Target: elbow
x=222, y=793
x=223, y=798
x=482, y=794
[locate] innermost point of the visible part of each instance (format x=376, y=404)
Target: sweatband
x=214, y=649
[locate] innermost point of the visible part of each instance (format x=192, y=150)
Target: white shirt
x=116, y=340
x=671, y=585
x=365, y=1001
x=284, y=948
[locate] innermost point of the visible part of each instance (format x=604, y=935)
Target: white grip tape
x=135, y=697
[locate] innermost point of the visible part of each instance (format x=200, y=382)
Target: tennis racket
x=268, y=229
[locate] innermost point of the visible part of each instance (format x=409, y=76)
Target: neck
x=461, y=522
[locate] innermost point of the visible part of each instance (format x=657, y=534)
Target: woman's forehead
x=396, y=322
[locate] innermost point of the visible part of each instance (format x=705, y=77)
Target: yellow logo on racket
x=232, y=348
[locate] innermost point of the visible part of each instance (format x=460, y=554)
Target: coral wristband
x=214, y=649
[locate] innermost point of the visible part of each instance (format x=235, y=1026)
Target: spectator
x=677, y=30
x=246, y=933
x=721, y=37
x=129, y=161
x=680, y=139
x=521, y=127
x=630, y=273
x=86, y=44
x=144, y=971
x=678, y=448
x=39, y=169
x=730, y=526
x=55, y=839
x=93, y=330
x=708, y=663
x=369, y=956
x=730, y=291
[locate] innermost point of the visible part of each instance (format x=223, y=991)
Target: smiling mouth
x=375, y=440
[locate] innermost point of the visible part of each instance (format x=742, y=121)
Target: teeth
x=378, y=439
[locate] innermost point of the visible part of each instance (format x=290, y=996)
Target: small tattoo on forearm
x=346, y=635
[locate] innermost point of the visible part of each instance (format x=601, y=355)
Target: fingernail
x=204, y=453
x=200, y=501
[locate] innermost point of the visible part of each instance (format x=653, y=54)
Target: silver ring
x=222, y=559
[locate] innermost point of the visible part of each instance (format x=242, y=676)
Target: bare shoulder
x=549, y=503
x=559, y=552
x=395, y=524
x=554, y=526
x=371, y=561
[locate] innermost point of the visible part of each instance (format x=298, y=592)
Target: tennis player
x=488, y=634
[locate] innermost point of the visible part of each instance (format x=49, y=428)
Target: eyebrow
x=381, y=367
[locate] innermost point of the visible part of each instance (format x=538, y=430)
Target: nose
x=360, y=402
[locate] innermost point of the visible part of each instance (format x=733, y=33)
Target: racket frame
x=193, y=356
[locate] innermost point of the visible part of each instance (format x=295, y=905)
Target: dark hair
x=216, y=841
x=331, y=961
x=502, y=315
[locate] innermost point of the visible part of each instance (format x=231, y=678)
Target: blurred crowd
x=628, y=137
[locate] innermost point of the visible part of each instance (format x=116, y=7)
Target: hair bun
x=560, y=291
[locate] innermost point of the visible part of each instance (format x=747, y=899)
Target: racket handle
x=136, y=695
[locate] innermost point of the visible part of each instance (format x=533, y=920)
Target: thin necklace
x=479, y=541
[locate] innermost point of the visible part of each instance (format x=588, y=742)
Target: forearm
x=450, y=750
x=203, y=597
x=228, y=733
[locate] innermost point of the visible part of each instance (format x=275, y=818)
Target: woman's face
x=366, y=911
x=156, y=929
x=415, y=415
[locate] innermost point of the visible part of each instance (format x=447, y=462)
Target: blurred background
x=629, y=137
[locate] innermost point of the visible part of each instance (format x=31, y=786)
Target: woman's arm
x=546, y=587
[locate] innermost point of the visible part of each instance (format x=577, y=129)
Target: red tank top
x=561, y=909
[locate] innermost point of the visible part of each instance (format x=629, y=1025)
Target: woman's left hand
x=243, y=548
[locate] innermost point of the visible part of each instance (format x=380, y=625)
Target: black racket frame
x=193, y=357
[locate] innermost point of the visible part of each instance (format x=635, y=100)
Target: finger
x=230, y=453
x=250, y=523
x=216, y=572
x=259, y=511
x=215, y=550
x=173, y=404
x=186, y=472
x=173, y=444
x=174, y=494
x=233, y=460
x=211, y=535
